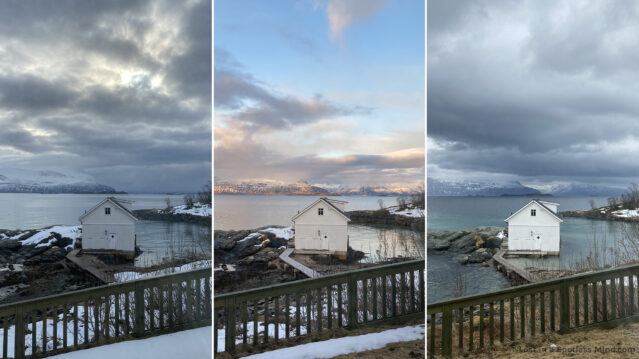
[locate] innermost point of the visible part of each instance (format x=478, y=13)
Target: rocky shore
x=385, y=217
x=605, y=213
x=250, y=259
x=38, y=269
x=164, y=215
x=479, y=244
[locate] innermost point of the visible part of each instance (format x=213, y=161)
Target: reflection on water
x=385, y=242
x=164, y=241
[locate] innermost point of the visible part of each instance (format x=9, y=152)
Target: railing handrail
x=517, y=290
x=312, y=282
x=109, y=288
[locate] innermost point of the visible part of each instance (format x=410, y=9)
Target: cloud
x=342, y=13
x=256, y=105
x=119, y=90
x=533, y=90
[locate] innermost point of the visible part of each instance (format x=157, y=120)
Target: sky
x=118, y=90
x=330, y=92
x=535, y=91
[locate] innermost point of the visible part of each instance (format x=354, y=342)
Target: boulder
x=10, y=245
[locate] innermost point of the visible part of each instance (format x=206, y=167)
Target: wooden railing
x=606, y=297
x=350, y=299
x=90, y=317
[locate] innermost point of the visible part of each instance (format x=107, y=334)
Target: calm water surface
x=461, y=213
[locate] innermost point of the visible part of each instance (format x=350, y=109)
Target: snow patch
x=410, y=212
x=72, y=232
x=626, y=213
x=501, y=235
x=198, y=209
x=250, y=236
x=340, y=346
x=129, y=276
x=285, y=233
x=193, y=343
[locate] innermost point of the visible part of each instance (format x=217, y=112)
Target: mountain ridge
x=13, y=180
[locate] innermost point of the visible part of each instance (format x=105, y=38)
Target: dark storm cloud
x=192, y=70
x=116, y=89
x=31, y=93
x=534, y=89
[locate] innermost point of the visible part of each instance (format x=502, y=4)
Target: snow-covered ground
x=194, y=343
x=72, y=232
x=411, y=212
x=626, y=213
x=345, y=345
x=198, y=209
x=285, y=233
x=129, y=276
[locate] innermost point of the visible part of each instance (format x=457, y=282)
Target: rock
x=464, y=243
x=63, y=242
x=226, y=240
x=493, y=242
x=438, y=244
x=50, y=255
x=248, y=245
x=479, y=256
x=32, y=251
x=10, y=245
x=479, y=242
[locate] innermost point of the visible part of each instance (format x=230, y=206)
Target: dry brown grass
x=594, y=343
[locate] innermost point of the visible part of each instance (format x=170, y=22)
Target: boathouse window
x=533, y=212
x=107, y=210
x=320, y=211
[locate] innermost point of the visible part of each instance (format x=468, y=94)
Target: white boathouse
x=535, y=228
x=109, y=227
x=322, y=228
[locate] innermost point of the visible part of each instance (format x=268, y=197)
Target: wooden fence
x=91, y=317
x=293, y=309
x=606, y=297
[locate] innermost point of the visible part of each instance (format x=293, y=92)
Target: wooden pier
x=511, y=267
x=92, y=265
x=285, y=256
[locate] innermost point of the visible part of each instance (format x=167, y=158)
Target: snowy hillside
x=438, y=187
x=576, y=190
x=14, y=180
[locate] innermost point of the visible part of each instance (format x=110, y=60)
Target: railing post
x=229, y=323
x=138, y=296
x=351, y=294
x=564, y=308
x=19, y=334
x=447, y=332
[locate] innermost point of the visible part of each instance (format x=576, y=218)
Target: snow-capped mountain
x=576, y=190
x=304, y=188
x=438, y=187
x=13, y=180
